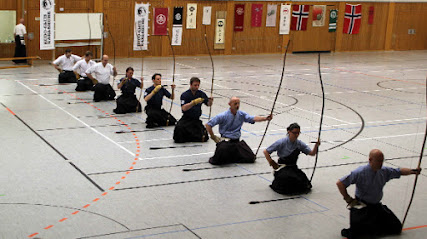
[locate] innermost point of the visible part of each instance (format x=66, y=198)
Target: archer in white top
x=66, y=61
x=83, y=65
x=100, y=72
x=20, y=30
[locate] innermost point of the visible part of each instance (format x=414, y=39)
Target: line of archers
x=138, y=150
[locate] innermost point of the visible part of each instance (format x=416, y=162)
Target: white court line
x=148, y=140
x=338, y=125
x=379, y=137
x=74, y=117
x=280, y=103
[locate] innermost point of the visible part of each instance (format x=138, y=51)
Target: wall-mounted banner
x=191, y=15
x=160, y=23
x=371, y=15
x=271, y=15
x=285, y=19
x=239, y=17
x=47, y=24
x=207, y=15
x=140, y=36
x=177, y=26
x=333, y=15
x=319, y=15
x=300, y=17
x=256, y=15
x=220, y=31
x=352, y=18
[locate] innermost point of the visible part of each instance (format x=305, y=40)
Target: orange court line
x=10, y=111
x=412, y=228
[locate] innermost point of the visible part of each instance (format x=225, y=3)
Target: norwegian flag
x=352, y=18
x=299, y=17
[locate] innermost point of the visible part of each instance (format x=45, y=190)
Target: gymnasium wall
x=388, y=32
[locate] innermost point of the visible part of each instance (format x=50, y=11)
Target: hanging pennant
x=352, y=18
x=207, y=15
x=371, y=15
x=47, y=24
x=333, y=20
x=256, y=15
x=319, y=15
x=299, y=17
x=160, y=23
x=177, y=26
x=140, y=36
x=239, y=17
x=271, y=15
x=285, y=19
x=220, y=30
x=191, y=15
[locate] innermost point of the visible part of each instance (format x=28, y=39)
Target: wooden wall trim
x=390, y=22
x=389, y=31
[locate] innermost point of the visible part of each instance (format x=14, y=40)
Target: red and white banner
x=285, y=17
x=47, y=24
x=300, y=17
x=239, y=17
x=160, y=23
x=352, y=18
x=371, y=15
x=256, y=15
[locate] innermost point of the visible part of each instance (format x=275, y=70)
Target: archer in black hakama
x=20, y=49
x=127, y=102
x=156, y=115
x=84, y=84
x=103, y=92
x=232, y=151
x=190, y=128
x=288, y=178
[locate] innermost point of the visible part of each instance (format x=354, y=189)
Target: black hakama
x=373, y=220
x=158, y=117
x=84, y=84
x=233, y=151
x=67, y=77
x=103, y=92
x=20, y=49
x=290, y=180
x=127, y=103
x=190, y=130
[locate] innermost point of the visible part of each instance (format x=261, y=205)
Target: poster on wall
x=191, y=15
x=207, y=15
x=160, y=23
x=177, y=26
x=285, y=19
x=239, y=17
x=140, y=36
x=271, y=15
x=319, y=15
x=47, y=24
x=256, y=15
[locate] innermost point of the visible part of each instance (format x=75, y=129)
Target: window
x=8, y=22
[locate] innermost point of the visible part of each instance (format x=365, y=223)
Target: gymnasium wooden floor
x=67, y=173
